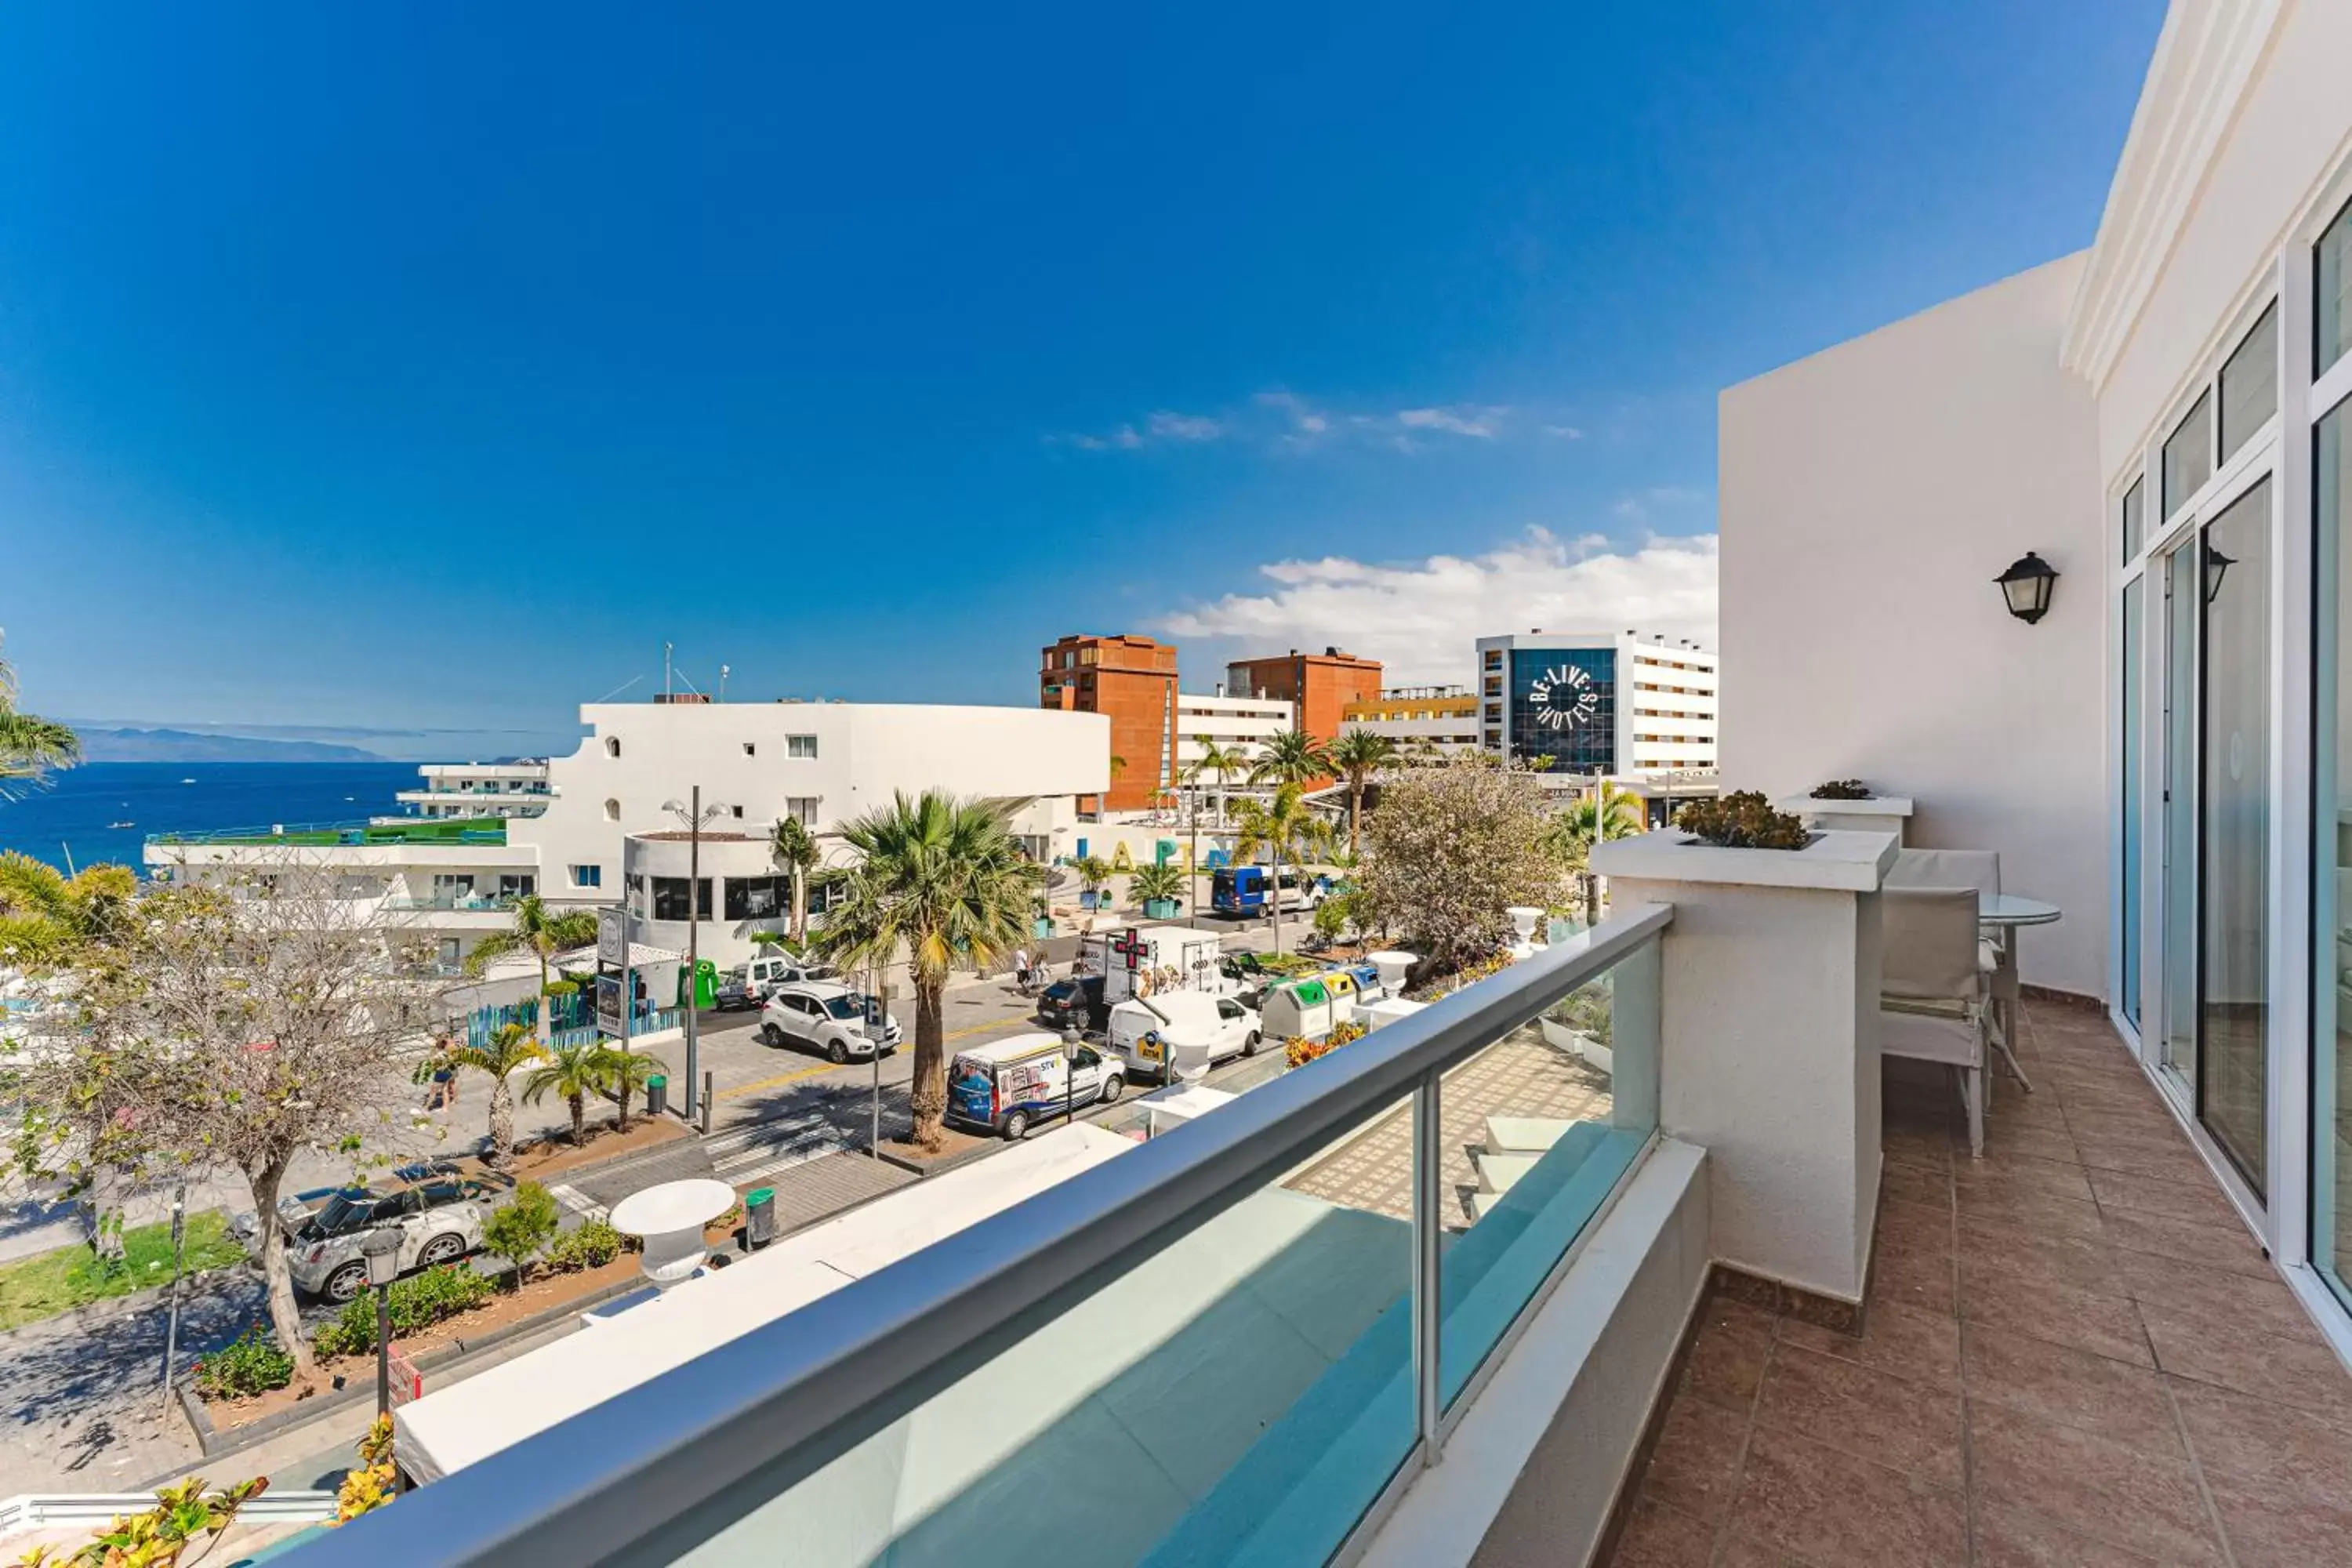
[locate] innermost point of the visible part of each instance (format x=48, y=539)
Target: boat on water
x=188, y=781
x=122, y=825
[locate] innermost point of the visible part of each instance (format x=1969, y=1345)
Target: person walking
x=1020, y=970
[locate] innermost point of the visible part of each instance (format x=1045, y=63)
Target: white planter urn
x=1393, y=967
x=1523, y=928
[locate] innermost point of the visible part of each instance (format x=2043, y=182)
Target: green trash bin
x=656, y=1095
x=760, y=1217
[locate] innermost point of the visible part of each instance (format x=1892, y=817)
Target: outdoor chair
x=1980, y=870
x=1933, y=998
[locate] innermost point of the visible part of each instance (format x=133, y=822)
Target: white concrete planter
x=1836, y=861
x=1878, y=813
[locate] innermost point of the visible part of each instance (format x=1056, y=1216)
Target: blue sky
x=431, y=366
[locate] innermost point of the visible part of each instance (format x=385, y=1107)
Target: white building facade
x=1443, y=718
x=1242, y=724
x=2165, y=420
x=823, y=763
x=479, y=789
x=1617, y=704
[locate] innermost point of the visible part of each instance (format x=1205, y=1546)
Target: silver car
x=819, y=1015
x=440, y=1221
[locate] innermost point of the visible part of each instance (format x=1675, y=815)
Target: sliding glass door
x=2233, y=833
x=2175, y=1054
x=2331, y=881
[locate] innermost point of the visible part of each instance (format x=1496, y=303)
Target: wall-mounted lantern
x=2216, y=566
x=2026, y=586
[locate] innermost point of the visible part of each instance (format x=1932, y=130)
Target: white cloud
x=1422, y=618
x=1461, y=420
x=1642, y=505
x=1185, y=426
x=1564, y=432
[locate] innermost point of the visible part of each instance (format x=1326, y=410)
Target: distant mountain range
x=187, y=746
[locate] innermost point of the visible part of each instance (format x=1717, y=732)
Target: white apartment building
x=1236, y=723
x=824, y=762
x=1616, y=704
x=478, y=789
x=1418, y=717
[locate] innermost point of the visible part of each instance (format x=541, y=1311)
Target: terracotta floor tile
x=1739, y=1552
x=2072, y=1387
x=2031, y=1210
x=1926, y=1151
x=1727, y=1355
x=2007, y=1140
x=2165, y=1162
x=1903, y=1425
x=2236, y=1435
x=1834, y=1510
x=2187, y=1290
x=2192, y=1242
x=2007, y=1538
x=2145, y=1124
x=2104, y=1325
x=2200, y=1200
x=2300, y=1373
x=1911, y=1184
x=1656, y=1536
x=1911, y=1276
x=2018, y=1170
x=1928, y=1228
x=2002, y=1252
x=2271, y=1525
x=2112, y=1493
x=1924, y=1347
x=1695, y=1466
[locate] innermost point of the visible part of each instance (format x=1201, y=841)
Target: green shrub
x=417, y=1302
x=1742, y=820
x=593, y=1245
x=252, y=1364
x=1842, y=789
x=519, y=1228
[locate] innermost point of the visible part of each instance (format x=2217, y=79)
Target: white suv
x=819, y=1015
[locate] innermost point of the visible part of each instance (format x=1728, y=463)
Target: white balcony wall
x=1870, y=495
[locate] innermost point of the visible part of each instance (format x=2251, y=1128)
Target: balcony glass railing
x=485, y=902
x=324, y=834
x=1233, y=1343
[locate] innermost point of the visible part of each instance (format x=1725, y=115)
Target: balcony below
x=2073, y=1353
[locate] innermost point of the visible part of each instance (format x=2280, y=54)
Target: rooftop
x=321, y=835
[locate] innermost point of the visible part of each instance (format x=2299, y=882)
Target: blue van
x=1241, y=890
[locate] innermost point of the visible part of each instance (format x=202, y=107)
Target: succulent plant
x=1742, y=820
x=1842, y=789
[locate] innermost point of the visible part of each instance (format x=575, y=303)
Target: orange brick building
x=1132, y=681
x=1320, y=685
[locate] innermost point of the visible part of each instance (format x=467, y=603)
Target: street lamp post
x=693, y=816
x=381, y=1249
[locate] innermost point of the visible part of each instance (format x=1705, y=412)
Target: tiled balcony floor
x=2075, y=1357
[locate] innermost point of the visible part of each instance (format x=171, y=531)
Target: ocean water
x=68, y=822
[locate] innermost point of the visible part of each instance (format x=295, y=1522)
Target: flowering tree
x=228, y=1026
x=1451, y=849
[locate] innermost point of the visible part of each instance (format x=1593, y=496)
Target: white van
x=1185, y=1030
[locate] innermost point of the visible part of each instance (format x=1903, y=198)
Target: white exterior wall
x=1244, y=722
x=1451, y=731
x=864, y=753
x=1870, y=495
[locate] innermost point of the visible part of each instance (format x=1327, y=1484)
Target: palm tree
x=627, y=1072
x=46, y=915
x=1293, y=757
x=1222, y=761
x=1286, y=829
x=1157, y=880
x=945, y=879
x=540, y=931
x=572, y=1073
x=1359, y=754
x=511, y=1049
x=794, y=847
x=29, y=745
x=1093, y=871
x=1609, y=813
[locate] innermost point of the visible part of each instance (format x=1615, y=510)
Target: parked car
x=753, y=980
x=732, y=992
x=1076, y=1000
x=819, y=1015
x=1008, y=1086
x=440, y=1221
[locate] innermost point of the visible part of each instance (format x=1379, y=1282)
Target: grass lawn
x=48, y=1283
